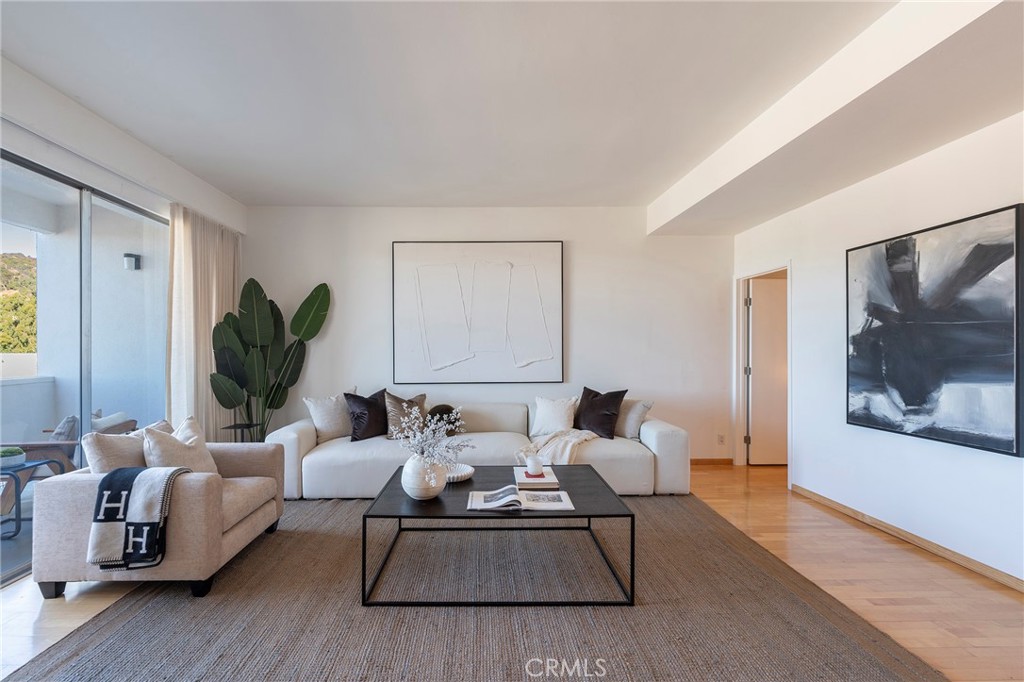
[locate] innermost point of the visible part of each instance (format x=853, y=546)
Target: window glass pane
x=41, y=255
x=128, y=339
x=40, y=342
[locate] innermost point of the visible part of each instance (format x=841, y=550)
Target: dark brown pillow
x=369, y=415
x=442, y=410
x=397, y=410
x=598, y=412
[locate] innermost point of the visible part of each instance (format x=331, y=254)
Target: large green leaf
x=275, y=351
x=230, y=366
x=224, y=337
x=254, y=314
x=294, y=357
x=256, y=371
x=277, y=396
x=226, y=391
x=310, y=316
x=231, y=320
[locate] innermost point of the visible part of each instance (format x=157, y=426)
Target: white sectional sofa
x=657, y=463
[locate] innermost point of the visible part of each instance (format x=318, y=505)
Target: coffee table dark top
x=589, y=493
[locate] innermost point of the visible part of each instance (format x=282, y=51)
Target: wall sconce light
x=132, y=261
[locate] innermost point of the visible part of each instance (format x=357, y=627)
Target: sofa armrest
x=671, y=447
x=298, y=438
x=62, y=517
x=235, y=460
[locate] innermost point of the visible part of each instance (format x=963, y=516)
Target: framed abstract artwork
x=477, y=312
x=934, y=333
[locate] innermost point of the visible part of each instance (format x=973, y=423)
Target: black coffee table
x=591, y=496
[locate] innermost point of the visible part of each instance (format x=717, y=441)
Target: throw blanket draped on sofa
x=129, y=522
x=559, y=447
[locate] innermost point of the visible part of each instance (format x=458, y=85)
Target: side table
x=16, y=480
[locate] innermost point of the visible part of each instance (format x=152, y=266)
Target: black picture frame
x=933, y=329
x=413, y=360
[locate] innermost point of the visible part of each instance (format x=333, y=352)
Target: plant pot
x=416, y=479
x=12, y=461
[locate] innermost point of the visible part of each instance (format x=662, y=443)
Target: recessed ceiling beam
x=899, y=37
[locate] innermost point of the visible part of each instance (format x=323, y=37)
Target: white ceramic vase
x=416, y=482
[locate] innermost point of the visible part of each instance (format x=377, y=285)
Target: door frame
x=741, y=345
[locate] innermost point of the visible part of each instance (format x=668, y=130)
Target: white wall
x=650, y=314
x=967, y=500
x=28, y=409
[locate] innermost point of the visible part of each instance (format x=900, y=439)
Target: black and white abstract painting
x=934, y=335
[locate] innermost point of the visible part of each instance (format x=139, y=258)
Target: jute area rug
x=711, y=604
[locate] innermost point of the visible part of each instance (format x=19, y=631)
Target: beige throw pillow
x=631, y=416
x=105, y=452
x=398, y=408
x=552, y=416
x=186, y=447
x=330, y=417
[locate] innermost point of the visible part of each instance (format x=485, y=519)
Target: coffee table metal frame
x=590, y=494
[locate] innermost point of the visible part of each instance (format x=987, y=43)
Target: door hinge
x=748, y=301
x=746, y=440
x=746, y=371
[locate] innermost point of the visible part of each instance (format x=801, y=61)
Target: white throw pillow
x=330, y=417
x=631, y=416
x=186, y=447
x=106, y=452
x=553, y=415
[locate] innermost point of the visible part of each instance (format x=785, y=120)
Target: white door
x=768, y=374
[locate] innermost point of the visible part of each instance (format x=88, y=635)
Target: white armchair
x=212, y=517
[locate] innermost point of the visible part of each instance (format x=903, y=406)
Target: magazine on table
x=511, y=498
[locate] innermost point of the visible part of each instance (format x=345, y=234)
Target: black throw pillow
x=598, y=412
x=369, y=415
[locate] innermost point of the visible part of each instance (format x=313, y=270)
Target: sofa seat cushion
x=627, y=465
x=346, y=468
x=244, y=495
x=342, y=468
x=490, y=448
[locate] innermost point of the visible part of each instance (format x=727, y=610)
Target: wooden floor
x=965, y=625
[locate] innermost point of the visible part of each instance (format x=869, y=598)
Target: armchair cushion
x=244, y=495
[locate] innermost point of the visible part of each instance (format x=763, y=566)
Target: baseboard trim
x=944, y=552
x=712, y=460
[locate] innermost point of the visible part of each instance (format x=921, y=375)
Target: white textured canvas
x=477, y=312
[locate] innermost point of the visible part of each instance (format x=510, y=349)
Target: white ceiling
x=481, y=103
x=431, y=104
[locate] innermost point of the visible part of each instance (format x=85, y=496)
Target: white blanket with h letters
x=130, y=520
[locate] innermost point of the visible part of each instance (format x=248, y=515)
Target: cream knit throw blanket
x=558, y=447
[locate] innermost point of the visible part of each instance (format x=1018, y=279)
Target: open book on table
x=511, y=498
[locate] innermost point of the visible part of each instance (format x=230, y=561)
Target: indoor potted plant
x=10, y=457
x=255, y=367
x=434, y=452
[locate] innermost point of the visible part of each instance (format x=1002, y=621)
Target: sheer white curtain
x=205, y=267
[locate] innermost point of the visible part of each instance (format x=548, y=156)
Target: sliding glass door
x=83, y=332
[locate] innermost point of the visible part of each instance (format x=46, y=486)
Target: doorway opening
x=764, y=369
